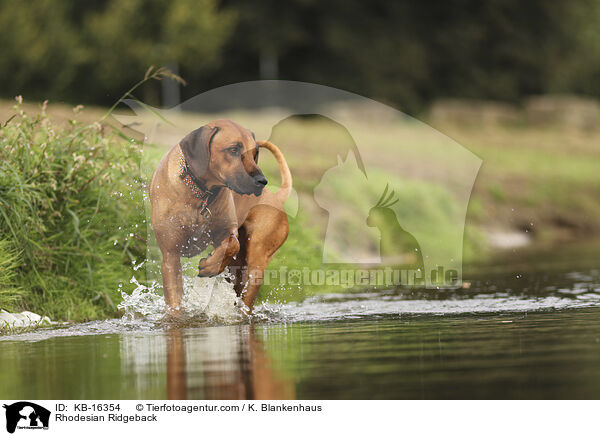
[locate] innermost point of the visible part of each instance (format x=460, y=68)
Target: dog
x=209, y=191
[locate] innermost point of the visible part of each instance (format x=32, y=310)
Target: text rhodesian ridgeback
x=208, y=190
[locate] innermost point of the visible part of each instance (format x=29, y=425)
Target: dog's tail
x=286, y=177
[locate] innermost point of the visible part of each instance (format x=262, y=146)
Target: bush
x=70, y=215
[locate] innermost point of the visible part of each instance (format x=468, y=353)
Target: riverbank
x=70, y=223
x=536, y=186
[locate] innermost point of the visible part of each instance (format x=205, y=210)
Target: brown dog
x=208, y=190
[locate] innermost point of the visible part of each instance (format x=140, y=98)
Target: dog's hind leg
x=237, y=266
x=266, y=229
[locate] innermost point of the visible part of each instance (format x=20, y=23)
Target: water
x=527, y=327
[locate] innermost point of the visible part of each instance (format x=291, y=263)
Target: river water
x=528, y=327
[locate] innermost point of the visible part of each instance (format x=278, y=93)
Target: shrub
x=70, y=215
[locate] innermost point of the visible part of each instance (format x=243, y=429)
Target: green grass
x=547, y=175
x=6, y=329
x=70, y=221
x=10, y=290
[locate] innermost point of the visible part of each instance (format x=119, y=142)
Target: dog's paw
x=172, y=315
x=207, y=268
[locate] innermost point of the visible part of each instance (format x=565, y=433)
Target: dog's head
x=224, y=153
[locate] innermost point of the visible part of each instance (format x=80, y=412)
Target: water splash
x=143, y=302
x=212, y=299
x=373, y=305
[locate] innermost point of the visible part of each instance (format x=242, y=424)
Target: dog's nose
x=260, y=179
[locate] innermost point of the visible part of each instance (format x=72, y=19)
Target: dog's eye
x=235, y=151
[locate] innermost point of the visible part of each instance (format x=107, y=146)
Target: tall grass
x=71, y=216
x=10, y=291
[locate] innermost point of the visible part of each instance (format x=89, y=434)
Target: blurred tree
x=504, y=49
x=402, y=52
x=94, y=51
x=408, y=53
x=40, y=48
x=130, y=35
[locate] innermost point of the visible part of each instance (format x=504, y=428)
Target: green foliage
x=409, y=53
x=69, y=209
x=92, y=51
x=404, y=53
x=41, y=52
x=128, y=36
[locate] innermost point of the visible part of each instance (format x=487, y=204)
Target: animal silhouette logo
x=26, y=415
x=431, y=174
x=397, y=246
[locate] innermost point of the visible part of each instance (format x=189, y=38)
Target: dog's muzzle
x=260, y=181
x=248, y=184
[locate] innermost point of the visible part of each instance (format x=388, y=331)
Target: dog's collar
x=205, y=195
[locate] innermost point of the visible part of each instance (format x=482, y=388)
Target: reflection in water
x=526, y=328
x=215, y=363
x=176, y=382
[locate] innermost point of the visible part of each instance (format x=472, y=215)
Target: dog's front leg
x=172, y=281
x=220, y=257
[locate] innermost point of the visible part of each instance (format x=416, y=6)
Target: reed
x=71, y=216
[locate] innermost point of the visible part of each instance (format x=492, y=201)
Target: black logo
x=26, y=415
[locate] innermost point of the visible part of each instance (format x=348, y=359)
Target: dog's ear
x=196, y=149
